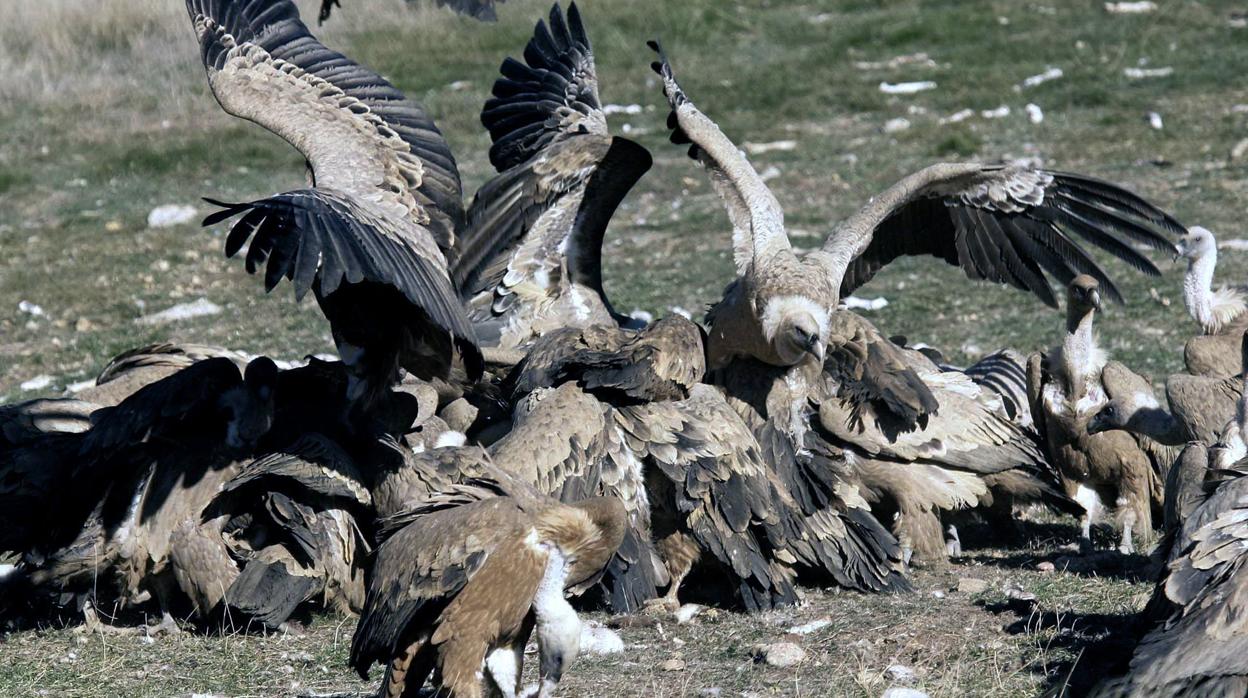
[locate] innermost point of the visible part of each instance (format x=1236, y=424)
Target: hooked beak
x=1096, y=299
x=815, y=348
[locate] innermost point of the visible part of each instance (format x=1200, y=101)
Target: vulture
x=1001, y=223
x=370, y=234
x=1106, y=470
x=133, y=369
x=717, y=506
x=530, y=257
x=1220, y=314
x=1199, y=406
x=468, y=575
x=1197, y=642
x=482, y=10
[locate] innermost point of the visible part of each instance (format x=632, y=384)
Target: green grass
x=106, y=114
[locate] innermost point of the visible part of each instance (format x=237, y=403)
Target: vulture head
x=1083, y=295
x=249, y=407
x=1197, y=244
x=796, y=327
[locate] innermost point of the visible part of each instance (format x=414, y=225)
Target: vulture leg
x=506, y=666
x=1091, y=503
x=953, y=542
x=679, y=552
x=406, y=665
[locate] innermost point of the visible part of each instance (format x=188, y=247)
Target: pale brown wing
x=1006, y=224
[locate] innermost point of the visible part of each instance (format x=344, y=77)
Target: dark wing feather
x=1010, y=225
x=313, y=463
x=316, y=236
x=274, y=25
x=192, y=390
x=552, y=94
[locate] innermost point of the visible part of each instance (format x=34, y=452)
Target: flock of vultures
x=498, y=447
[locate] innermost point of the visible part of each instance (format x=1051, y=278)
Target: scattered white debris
x=1141, y=73
x=1237, y=244
x=641, y=316
x=973, y=351
x=181, y=311
x=856, y=303
x=902, y=692
x=30, y=308
x=895, y=125
x=688, y=612
x=79, y=386
x=1034, y=113
x=900, y=673
x=673, y=664
x=811, y=627
x=906, y=88
x=1130, y=8
x=1154, y=120
x=1045, y=566
x=622, y=109
x=938, y=594
x=677, y=310
x=921, y=59
x=1040, y=79
x=999, y=113
x=1240, y=149
x=599, y=640
x=958, y=116
x=39, y=382
x=758, y=148
x=915, y=109
x=770, y=173
x=780, y=654
x=460, y=85
x=451, y=439
x=1237, y=20
x=169, y=215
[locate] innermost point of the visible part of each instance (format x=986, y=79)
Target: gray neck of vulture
x=558, y=627
x=1197, y=288
x=1159, y=425
x=1079, y=347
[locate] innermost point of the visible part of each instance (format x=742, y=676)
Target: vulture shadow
x=1034, y=542
x=1098, y=645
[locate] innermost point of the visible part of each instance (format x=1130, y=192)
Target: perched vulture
x=1007, y=224
x=369, y=234
x=529, y=259
x=457, y=589
x=1221, y=314
x=1197, y=642
x=1106, y=470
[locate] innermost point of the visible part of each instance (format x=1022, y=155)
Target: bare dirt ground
x=106, y=115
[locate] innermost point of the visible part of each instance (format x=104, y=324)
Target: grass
x=106, y=115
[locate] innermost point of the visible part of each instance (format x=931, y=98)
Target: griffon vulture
x=1107, y=470
x=369, y=234
x=457, y=589
x=1220, y=314
x=530, y=255
x=1006, y=224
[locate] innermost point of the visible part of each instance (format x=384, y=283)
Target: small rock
x=673, y=664
x=169, y=215
x=1130, y=8
x=958, y=116
x=900, y=673
x=900, y=692
x=999, y=113
x=811, y=627
x=1154, y=120
x=29, y=308
x=1046, y=566
x=677, y=310
x=460, y=85
x=759, y=148
x=1240, y=149
x=770, y=173
x=938, y=594
x=856, y=303
x=182, y=311
x=1142, y=73
x=641, y=315
x=1047, y=75
x=780, y=654
x=1034, y=113
x=83, y=325
x=622, y=109
x=970, y=585
x=906, y=88
x=39, y=382
x=895, y=125
x=1016, y=594
x=712, y=692
x=113, y=226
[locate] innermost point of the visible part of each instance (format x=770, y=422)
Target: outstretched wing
x=1005, y=224
x=757, y=220
x=537, y=228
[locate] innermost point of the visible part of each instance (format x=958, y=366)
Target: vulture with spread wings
x=1002, y=223
x=369, y=234
x=529, y=258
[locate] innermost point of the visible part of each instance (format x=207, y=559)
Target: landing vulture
x=1222, y=314
x=457, y=589
x=530, y=256
x=1007, y=224
x=1109, y=470
x=368, y=236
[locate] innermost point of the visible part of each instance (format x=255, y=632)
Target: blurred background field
x=106, y=115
